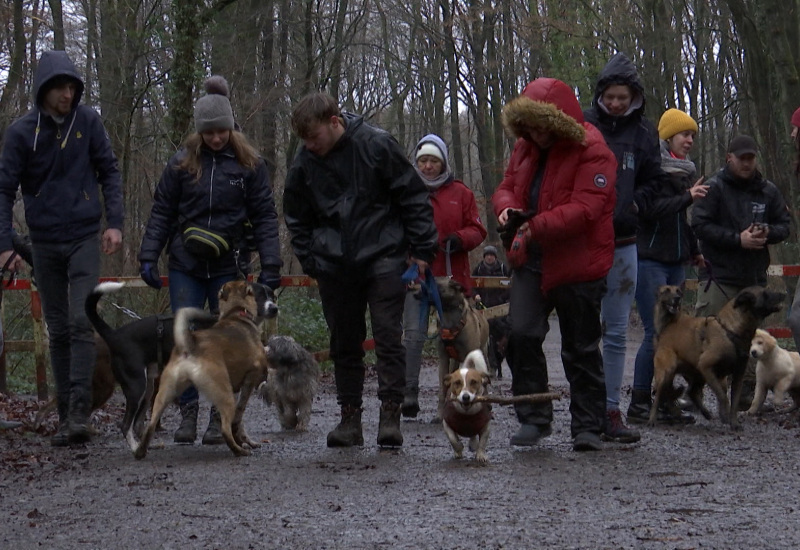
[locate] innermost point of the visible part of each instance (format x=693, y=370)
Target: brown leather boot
x=348, y=432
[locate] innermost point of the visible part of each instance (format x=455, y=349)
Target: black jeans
x=578, y=309
x=66, y=273
x=344, y=304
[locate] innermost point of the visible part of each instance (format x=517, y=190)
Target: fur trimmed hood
x=548, y=105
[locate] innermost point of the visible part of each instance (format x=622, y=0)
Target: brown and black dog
x=705, y=350
x=226, y=358
x=461, y=329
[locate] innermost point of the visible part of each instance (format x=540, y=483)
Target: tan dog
x=461, y=330
x=462, y=415
x=777, y=370
x=705, y=350
x=221, y=360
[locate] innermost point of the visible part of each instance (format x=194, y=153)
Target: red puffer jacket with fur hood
x=574, y=221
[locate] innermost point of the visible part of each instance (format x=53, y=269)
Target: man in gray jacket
x=60, y=155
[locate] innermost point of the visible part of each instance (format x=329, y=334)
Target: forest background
x=411, y=67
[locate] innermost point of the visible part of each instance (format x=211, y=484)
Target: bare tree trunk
x=15, y=70
x=58, y=24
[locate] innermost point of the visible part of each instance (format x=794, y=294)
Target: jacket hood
x=548, y=105
x=620, y=70
x=53, y=64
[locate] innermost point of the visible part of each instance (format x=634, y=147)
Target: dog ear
x=447, y=380
x=485, y=379
x=745, y=297
x=456, y=285
x=223, y=292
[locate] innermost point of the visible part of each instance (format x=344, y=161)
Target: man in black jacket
x=742, y=213
x=357, y=212
x=60, y=155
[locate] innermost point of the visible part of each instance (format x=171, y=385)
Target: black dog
x=139, y=351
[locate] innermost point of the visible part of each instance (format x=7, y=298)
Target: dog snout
x=270, y=310
x=465, y=398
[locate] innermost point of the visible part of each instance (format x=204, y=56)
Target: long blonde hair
x=245, y=153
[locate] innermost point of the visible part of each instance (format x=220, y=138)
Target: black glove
x=455, y=243
x=273, y=281
x=149, y=274
x=509, y=231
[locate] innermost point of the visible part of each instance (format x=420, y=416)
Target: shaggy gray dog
x=292, y=376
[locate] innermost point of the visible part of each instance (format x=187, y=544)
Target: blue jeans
x=66, y=273
x=615, y=313
x=188, y=291
x=652, y=274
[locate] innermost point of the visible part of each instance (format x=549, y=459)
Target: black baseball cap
x=743, y=145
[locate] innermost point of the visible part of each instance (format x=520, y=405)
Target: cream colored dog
x=777, y=370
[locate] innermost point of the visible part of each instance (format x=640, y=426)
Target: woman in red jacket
x=460, y=228
x=561, y=179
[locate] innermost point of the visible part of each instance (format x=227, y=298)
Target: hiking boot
x=616, y=430
x=639, y=409
x=673, y=414
x=410, y=407
x=187, y=431
x=389, y=425
x=213, y=435
x=586, y=441
x=529, y=434
x=348, y=432
x=78, y=429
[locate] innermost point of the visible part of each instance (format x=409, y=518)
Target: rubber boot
x=213, y=435
x=79, y=410
x=348, y=432
x=389, y=426
x=187, y=431
x=410, y=407
x=61, y=437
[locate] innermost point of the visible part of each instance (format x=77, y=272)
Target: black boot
x=639, y=409
x=213, y=435
x=389, y=426
x=348, y=432
x=79, y=410
x=410, y=408
x=187, y=431
x=61, y=437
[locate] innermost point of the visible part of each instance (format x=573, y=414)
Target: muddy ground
x=700, y=486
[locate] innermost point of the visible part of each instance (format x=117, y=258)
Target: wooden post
x=40, y=341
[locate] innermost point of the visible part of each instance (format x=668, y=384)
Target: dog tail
x=476, y=360
x=183, y=333
x=90, y=307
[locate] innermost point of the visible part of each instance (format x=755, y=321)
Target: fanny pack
x=204, y=244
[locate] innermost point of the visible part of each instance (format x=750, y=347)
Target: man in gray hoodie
x=60, y=155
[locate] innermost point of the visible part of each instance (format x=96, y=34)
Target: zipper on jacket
x=655, y=232
x=210, y=202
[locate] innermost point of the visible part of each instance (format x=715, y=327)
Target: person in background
x=618, y=112
x=499, y=327
x=794, y=313
x=60, y=155
x=455, y=215
x=358, y=212
x=665, y=244
x=555, y=207
x=213, y=187
x=742, y=214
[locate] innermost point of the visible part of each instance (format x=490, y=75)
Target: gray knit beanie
x=213, y=110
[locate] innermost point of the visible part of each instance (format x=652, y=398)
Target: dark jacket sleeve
x=12, y=160
x=107, y=169
x=299, y=215
x=163, y=215
x=779, y=218
x=413, y=199
x=264, y=218
x=651, y=178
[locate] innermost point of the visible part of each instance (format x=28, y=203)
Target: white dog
x=777, y=370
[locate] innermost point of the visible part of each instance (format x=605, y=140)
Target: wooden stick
x=511, y=399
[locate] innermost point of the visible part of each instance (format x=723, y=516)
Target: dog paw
x=481, y=457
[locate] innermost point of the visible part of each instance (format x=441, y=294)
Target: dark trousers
x=66, y=273
x=344, y=304
x=578, y=309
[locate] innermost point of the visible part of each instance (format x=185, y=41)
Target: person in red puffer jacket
x=561, y=177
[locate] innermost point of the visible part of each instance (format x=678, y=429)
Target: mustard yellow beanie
x=674, y=122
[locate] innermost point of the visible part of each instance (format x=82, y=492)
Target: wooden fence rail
x=38, y=345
